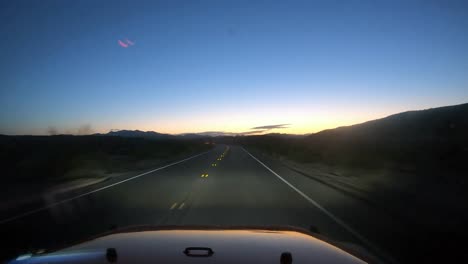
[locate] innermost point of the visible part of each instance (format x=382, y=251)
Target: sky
x=193, y=66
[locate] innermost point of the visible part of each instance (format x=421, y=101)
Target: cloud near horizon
x=253, y=131
x=269, y=127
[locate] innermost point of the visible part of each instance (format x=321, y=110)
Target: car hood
x=201, y=245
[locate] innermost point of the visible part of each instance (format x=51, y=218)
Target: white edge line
x=3, y=221
x=328, y=213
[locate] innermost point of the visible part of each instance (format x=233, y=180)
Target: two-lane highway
x=225, y=186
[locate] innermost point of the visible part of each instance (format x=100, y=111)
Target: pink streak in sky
x=122, y=44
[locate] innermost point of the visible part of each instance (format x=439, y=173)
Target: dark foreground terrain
x=238, y=190
x=395, y=186
x=53, y=158
x=32, y=165
x=243, y=188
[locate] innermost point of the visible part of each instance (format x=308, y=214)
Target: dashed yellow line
x=173, y=206
x=181, y=206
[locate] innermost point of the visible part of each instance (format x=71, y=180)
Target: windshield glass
x=348, y=119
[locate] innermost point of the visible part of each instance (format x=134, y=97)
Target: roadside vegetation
x=40, y=159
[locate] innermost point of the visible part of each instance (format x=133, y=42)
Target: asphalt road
x=225, y=186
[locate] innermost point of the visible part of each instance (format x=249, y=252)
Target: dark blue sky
x=226, y=65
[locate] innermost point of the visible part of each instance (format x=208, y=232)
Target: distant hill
x=435, y=124
x=139, y=134
x=442, y=124
x=436, y=137
x=156, y=135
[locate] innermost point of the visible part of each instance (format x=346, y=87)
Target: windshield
x=348, y=119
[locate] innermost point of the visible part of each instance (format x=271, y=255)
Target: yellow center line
x=181, y=206
x=173, y=206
